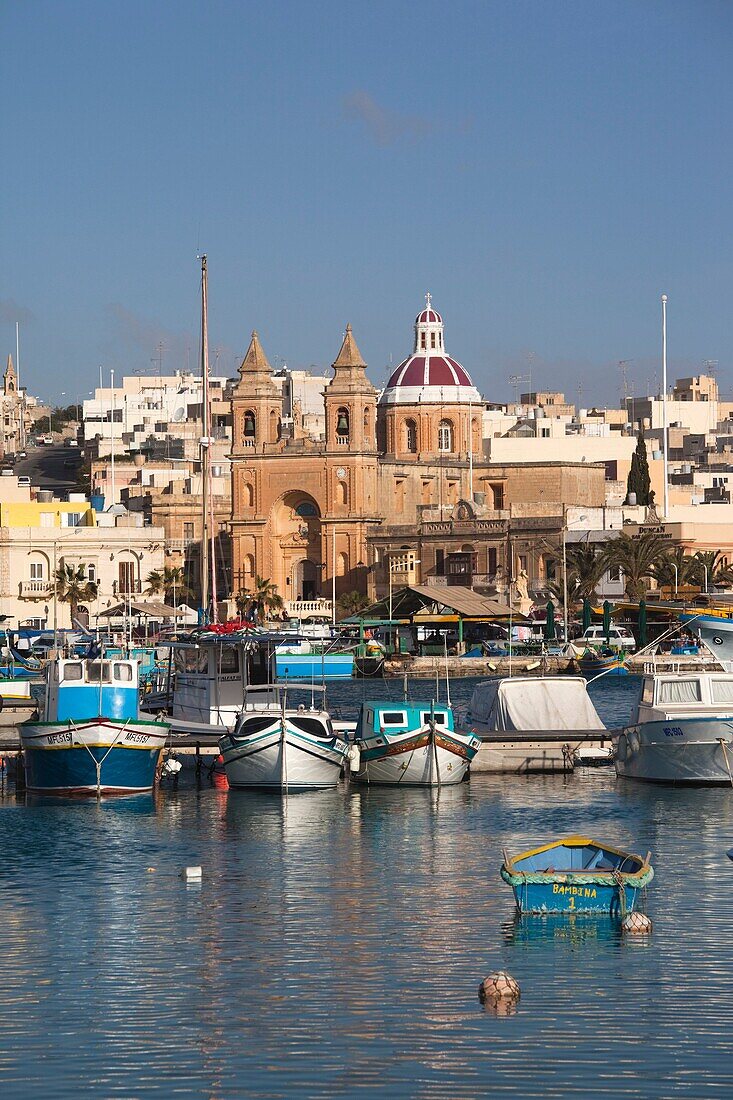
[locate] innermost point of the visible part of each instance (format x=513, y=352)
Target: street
x=51, y=467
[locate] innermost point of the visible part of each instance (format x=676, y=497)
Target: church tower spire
x=10, y=379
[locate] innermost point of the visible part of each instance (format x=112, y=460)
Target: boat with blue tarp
x=577, y=875
x=92, y=739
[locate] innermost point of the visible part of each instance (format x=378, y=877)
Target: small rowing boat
x=577, y=875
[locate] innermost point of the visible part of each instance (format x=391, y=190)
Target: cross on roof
x=428, y=299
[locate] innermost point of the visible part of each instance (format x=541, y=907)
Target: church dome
x=429, y=375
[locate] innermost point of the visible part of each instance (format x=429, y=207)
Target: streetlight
x=565, y=526
x=676, y=587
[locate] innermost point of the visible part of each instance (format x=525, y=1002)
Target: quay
x=539, y=665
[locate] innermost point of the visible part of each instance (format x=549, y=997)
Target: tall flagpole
x=664, y=404
x=205, y=441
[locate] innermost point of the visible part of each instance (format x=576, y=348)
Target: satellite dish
x=179, y=415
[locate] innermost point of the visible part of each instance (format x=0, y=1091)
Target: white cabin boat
x=281, y=748
x=682, y=731
x=411, y=744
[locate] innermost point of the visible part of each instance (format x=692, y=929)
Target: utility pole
x=664, y=403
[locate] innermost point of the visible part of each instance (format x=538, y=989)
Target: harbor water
x=336, y=941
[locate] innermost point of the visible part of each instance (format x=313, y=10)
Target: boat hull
x=92, y=756
x=567, y=896
x=416, y=760
x=311, y=666
x=696, y=751
x=277, y=762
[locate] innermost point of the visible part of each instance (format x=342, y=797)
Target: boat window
x=647, y=695
x=72, y=671
x=678, y=691
x=229, y=659
x=123, y=671
x=438, y=715
x=98, y=671
x=313, y=726
x=256, y=725
x=393, y=718
x=722, y=691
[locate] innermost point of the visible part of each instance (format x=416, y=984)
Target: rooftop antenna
x=710, y=366
x=623, y=366
x=517, y=380
x=158, y=359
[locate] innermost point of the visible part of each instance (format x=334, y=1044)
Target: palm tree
x=636, y=558
x=265, y=596
x=170, y=583
x=352, y=602
x=73, y=587
x=585, y=569
x=675, y=559
x=712, y=567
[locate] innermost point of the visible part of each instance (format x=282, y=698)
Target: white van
x=618, y=636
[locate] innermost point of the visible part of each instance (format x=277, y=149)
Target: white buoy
x=636, y=924
x=499, y=986
x=192, y=874
x=172, y=766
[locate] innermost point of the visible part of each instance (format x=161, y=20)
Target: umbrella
x=550, y=624
x=586, y=614
x=642, y=623
x=607, y=621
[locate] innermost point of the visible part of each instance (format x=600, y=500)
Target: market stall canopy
x=153, y=609
x=423, y=602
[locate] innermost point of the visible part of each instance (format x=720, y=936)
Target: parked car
x=23, y=480
x=619, y=637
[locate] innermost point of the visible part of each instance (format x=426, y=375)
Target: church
x=397, y=490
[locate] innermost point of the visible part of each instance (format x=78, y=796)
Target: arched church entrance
x=295, y=525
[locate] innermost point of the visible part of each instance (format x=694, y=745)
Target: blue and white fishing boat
x=682, y=730
x=411, y=745
x=282, y=748
x=92, y=740
x=610, y=662
x=307, y=660
x=577, y=875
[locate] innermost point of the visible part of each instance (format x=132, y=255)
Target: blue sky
x=545, y=169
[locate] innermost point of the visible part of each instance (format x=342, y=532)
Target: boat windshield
x=722, y=691
x=678, y=691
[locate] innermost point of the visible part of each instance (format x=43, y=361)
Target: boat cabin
x=81, y=688
x=389, y=718
x=681, y=693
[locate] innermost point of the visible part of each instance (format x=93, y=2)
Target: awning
x=428, y=602
x=152, y=609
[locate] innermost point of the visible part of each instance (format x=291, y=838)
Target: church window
x=399, y=495
x=306, y=510
x=497, y=492
x=342, y=492
x=422, y=341
x=366, y=424
x=342, y=426
x=248, y=568
x=411, y=436
x=432, y=339
x=445, y=436
x=249, y=494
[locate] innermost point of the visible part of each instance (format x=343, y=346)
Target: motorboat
x=577, y=875
x=312, y=659
x=92, y=739
x=682, y=730
x=413, y=744
x=279, y=747
x=536, y=724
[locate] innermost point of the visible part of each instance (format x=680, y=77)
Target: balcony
x=178, y=546
x=342, y=440
x=127, y=588
x=35, y=590
x=303, y=609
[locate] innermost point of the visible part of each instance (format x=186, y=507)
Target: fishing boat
x=92, y=740
x=16, y=701
x=577, y=875
x=282, y=748
x=310, y=659
x=610, y=662
x=714, y=628
x=682, y=730
x=536, y=724
x=410, y=744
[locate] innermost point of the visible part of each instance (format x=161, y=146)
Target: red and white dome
x=429, y=375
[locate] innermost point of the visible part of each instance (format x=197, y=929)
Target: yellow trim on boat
x=575, y=841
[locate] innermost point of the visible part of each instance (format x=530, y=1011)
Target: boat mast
x=205, y=441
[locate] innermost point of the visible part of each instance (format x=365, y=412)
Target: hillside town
x=336, y=495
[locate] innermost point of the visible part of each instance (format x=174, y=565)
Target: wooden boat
x=577, y=875
x=411, y=745
x=92, y=739
x=608, y=661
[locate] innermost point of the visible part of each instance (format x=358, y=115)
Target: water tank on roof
x=44, y=496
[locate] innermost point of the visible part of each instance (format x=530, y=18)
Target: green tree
x=350, y=603
x=74, y=587
x=638, y=480
x=675, y=558
x=716, y=564
x=265, y=595
x=637, y=559
x=170, y=583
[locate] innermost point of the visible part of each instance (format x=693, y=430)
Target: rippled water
x=336, y=943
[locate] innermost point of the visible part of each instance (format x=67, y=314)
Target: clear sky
x=545, y=169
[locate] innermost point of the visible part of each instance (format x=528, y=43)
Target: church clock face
x=341, y=473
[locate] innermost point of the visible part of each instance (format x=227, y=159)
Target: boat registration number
x=137, y=738
x=672, y=731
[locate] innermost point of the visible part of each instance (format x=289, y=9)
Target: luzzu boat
x=577, y=875
x=91, y=739
x=411, y=745
x=608, y=661
x=282, y=748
